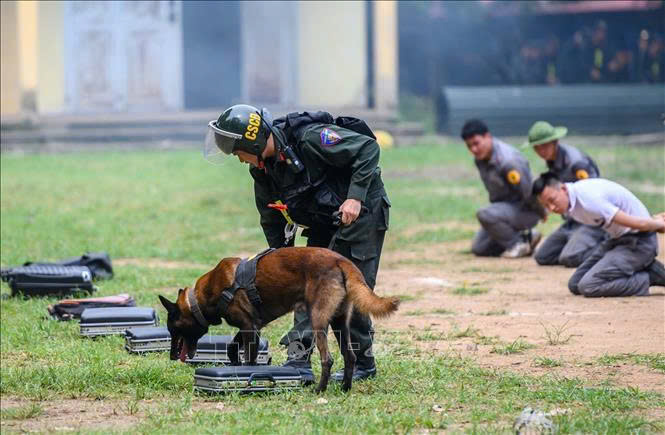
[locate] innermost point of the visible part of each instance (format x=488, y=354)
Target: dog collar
x=196, y=309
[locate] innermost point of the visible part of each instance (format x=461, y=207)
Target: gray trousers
x=617, y=267
x=502, y=225
x=569, y=245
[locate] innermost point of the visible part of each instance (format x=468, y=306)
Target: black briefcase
x=43, y=280
x=152, y=339
x=247, y=379
x=209, y=349
x=111, y=321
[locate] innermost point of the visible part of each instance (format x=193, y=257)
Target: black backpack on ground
x=99, y=264
x=48, y=280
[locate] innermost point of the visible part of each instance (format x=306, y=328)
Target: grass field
x=175, y=216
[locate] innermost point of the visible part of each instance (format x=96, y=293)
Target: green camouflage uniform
x=339, y=164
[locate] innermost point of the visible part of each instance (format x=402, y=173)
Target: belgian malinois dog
x=329, y=285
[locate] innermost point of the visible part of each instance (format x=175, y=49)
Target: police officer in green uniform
x=320, y=174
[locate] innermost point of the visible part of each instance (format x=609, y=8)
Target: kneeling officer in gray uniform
x=512, y=213
x=572, y=242
x=322, y=174
x=623, y=265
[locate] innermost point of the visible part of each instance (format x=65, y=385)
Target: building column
x=385, y=56
x=51, y=57
x=27, y=48
x=10, y=82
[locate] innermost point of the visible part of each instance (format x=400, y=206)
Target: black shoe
x=359, y=374
x=305, y=369
x=656, y=273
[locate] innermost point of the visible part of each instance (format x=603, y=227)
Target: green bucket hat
x=542, y=132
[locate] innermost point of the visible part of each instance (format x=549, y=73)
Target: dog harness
x=245, y=278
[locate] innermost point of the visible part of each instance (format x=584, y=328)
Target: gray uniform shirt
x=506, y=174
x=571, y=164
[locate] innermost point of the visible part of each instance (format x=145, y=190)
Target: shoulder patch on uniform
x=513, y=176
x=581, y=174
x=329, y=137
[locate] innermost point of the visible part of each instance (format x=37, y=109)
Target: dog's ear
x=171, y=307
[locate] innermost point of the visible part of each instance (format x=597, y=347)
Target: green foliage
x=443, y=312
x=517, y=346
x=501, y=312
x=543, y=361
x=469, y=290
x=24, y=412
x=654, y=361
x=556, y=334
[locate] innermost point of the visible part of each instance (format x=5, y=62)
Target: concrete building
x=95, y=57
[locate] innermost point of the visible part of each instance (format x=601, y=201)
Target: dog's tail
x=362, y=297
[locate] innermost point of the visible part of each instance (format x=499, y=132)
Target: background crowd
x=590, y=55
x=470, y=44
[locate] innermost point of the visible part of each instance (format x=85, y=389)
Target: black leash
x=337, y=221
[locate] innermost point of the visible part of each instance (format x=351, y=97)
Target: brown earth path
x=522, y=301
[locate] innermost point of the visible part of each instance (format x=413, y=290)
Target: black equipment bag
x=297, y=120
x=247, y=379
x=68, y=309
x=99, y=264
x=355, y=124
x=42, y=280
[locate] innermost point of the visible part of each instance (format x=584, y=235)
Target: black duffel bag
x=99, y=264
x=48, y=280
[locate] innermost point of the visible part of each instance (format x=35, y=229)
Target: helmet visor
x=219, y=144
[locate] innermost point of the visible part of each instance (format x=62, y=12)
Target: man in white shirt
x=623, y=265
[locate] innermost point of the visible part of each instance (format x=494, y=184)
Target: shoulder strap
x=293, y=123
x=355, y=124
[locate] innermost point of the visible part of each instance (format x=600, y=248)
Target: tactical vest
x=310, y=201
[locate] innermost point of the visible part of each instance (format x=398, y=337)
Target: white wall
x=332, y=60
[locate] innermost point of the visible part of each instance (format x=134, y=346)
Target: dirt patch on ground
x=82, y=414
x=480, y=307
x=69, y=415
